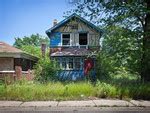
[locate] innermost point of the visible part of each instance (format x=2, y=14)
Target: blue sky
x=20, y=18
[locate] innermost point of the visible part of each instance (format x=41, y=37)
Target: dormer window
x=66, y=39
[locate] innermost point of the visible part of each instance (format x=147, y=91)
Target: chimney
x=54, y=22
x=43, y=49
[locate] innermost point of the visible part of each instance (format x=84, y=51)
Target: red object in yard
x=88, y=65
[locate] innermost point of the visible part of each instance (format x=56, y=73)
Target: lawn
x=27, y=91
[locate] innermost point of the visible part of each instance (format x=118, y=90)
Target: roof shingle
x=8, y=49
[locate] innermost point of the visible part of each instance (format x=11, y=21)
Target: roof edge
x=49, y=31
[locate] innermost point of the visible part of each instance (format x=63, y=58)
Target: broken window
x=83, y=38
x=70, y=63
x=65, y=39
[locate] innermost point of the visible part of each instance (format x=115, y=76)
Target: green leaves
x=33, y=40
x=122, y=45
x=45, y=70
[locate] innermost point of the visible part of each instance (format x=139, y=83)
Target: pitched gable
x=67, y=20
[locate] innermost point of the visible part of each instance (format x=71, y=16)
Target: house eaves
x=74, y=15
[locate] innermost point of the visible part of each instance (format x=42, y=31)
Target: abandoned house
x=11, y=57
x=73, y=43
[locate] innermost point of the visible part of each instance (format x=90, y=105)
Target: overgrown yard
x=27, y=91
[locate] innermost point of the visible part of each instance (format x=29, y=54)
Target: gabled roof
x=7, y=50
x=74, y=15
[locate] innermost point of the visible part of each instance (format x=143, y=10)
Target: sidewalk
x=87, y=103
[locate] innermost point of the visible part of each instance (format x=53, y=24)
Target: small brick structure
x=11, y=76
x=10, y=57
x=15, y=64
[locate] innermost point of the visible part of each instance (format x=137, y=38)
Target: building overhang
x=18, y=55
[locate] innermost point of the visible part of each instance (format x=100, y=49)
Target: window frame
x=87, y=38
x=62, y=39
x=66, y=60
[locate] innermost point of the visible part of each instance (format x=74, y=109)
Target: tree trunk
x=145, y=72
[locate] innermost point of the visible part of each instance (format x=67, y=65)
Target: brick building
x=11, y=57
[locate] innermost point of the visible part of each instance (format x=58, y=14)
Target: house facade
x=73, y=44
x=10, y=57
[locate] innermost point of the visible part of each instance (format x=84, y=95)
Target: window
x=70, y=64
x=65, y=39
x=83, y=38
x=77, y=63
x=64, y=66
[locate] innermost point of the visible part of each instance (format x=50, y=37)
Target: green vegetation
x=31, y=44
x=122, y=64
x=126, y=31
x=27, y=91
x=45, y=70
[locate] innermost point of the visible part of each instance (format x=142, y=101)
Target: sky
x=19, y=18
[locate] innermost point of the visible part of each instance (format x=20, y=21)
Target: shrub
x=45, y=70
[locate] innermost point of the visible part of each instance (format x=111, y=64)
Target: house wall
x=93, y=36
x=55, y=39
x=73, y=73
x=6, y=64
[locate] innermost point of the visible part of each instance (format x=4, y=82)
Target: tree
x=123, y=49
x=32, y=44
x=130, y=14
x=33, y=50
x=33, y=40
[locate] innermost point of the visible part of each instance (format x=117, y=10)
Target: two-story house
x=72, y=44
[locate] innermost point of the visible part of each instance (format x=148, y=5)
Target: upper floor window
x=66, y=39
x=83, y=38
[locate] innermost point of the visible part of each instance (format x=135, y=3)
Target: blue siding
x=55, y=39
x=71, y=75
x=74, y=75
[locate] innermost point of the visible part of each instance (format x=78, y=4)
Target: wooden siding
x=93, y=36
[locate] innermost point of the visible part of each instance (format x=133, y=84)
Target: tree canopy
x=133, y=19
x=33, y=40
x=31, y=44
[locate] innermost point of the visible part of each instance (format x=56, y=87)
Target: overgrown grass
x=27, y=91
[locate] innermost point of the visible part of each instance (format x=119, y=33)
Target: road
x=75, y=110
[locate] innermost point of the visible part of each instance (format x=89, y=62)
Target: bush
x=104, y=66
x=45, y=70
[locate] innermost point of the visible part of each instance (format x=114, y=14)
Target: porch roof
x=72, y=52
